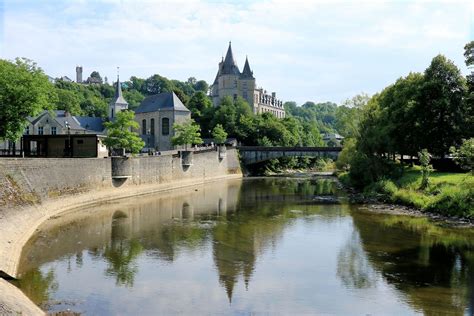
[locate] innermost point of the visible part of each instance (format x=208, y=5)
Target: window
x=112, y=116
x=152, y=126
x=27, y=130
x=80, y=141
x=165, y=126
x=143, y=127
x=53, y=130
x=40, y=130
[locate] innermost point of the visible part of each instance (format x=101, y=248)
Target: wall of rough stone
x=27, y=180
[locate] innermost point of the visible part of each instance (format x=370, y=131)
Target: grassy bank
x=447, y=193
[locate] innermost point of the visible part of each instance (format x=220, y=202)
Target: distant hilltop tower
x=231, y=82
x=79, y=74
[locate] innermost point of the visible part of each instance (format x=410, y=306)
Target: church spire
x=118, y=103
x=118, y=88
x=247, y=73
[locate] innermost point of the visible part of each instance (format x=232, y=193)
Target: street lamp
x=69, y=138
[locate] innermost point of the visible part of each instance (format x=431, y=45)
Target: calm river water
x=264, y=246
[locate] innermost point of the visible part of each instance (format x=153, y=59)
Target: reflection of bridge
x=254, y=154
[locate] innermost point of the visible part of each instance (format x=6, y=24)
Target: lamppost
x=69, y=138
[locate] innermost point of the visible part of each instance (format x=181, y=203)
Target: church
x=230, y=81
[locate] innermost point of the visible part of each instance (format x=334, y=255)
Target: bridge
x=254, y=154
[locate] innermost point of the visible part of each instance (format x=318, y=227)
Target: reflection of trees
x=353, y=268
x=431, y=266
x=122, y=251
x=38, y=285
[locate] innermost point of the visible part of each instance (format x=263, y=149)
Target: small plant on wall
x=120, y=134
x=187, y=133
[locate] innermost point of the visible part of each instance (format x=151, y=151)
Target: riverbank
x=449, y=197
x=34, y=190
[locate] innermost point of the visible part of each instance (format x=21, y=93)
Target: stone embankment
x=33, y=190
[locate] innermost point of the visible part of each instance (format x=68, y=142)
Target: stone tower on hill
x=231, y=82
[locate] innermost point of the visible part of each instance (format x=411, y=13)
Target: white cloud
x=325, y=43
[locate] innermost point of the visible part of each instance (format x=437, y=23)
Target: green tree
x=219, y=134
x=201, y=85
x=464, y=156
x=24, y=91
x=198, y=104
x=69, y=101
x=186, y=133
x=440, y=111
x=120, y=134
x=96, y=75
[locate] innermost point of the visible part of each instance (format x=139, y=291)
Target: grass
x=447, y=193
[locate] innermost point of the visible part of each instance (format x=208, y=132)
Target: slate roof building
x=230, y=81
x=156, y=116
x=60, y=122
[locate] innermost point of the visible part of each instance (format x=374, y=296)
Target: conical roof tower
x=230, y=67
x=247, y=73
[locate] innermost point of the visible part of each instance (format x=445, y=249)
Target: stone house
x=156, y=116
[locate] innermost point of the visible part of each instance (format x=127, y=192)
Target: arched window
x=152, y=126
x=143, y=127
x=165, y=126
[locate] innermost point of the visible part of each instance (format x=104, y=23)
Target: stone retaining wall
x=33, y=190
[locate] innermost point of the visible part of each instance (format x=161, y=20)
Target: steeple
x=229, y=67
x=118, y=102
x=247, y=73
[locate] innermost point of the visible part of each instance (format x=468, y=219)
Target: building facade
x=230, y=81
x=156, y=116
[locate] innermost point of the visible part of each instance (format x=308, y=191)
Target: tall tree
x=440, y=111
x=24, y=91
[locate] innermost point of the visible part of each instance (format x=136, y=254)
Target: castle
x=231, y=82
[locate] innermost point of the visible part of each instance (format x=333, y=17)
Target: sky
x=316, y=50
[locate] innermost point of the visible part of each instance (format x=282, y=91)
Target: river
x=266, y=246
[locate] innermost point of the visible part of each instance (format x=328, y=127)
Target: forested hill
x=93, y=99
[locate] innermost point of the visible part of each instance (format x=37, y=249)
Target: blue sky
x=304, y=50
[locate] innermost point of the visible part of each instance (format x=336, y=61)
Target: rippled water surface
x=270, y=246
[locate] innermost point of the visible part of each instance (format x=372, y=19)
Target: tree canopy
x=24, y=91
x=120, y=133
x=187, y=133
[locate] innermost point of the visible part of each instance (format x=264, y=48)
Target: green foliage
x=345, y=156
x=68, y=101
x=440, y=112
x=199, y=105
x=447, y=193
x=120, y=134
x=24, y=91
x=464, y=156
x=186, y=133
x=424, y=157
x=219, y=134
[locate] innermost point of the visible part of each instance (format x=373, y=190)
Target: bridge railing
x=283, y=148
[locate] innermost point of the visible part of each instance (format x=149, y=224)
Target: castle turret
x=118, y=103
x=247, y=73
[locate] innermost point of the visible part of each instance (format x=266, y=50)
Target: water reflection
x=237, y=227
x=432, y=267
